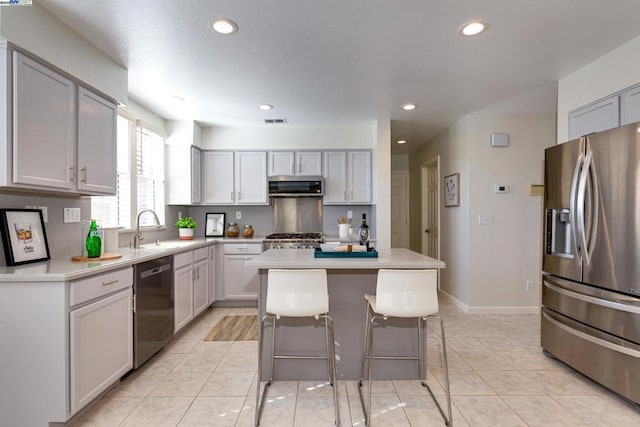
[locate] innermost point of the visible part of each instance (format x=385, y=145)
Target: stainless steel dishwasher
x=153, y=308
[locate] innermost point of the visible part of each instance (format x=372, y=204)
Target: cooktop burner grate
x=294, y=236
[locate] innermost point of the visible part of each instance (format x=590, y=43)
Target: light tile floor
x=498, y=375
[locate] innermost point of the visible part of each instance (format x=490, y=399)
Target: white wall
x=400, y=162
x=33, y=28
x=360, y=136
x=488, y=266
x=504, y=255
x=453, y=149
x=611, y=73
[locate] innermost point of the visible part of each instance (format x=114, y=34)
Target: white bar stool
x=297, y=293
x=403, y=293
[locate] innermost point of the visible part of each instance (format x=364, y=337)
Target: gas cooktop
x=294, y=236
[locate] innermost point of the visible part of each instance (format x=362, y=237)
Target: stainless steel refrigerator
x=591, y=260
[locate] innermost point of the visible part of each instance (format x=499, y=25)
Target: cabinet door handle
x=291, y=168
x=72, y=170
x=84, y=174
x=299, y=167
x=110, y=282
x=345, y=195
x=232, y=195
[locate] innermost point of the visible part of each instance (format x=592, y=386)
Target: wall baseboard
x=490, y=309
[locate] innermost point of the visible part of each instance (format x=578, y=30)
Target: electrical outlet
x=238, y=215
x=530, y=286
x=349, y=214
x=71, y=215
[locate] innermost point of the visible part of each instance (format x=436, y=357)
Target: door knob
x=426, y=231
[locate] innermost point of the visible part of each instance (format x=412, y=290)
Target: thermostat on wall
x=501, y=188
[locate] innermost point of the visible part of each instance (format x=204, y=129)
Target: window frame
x=134, y=125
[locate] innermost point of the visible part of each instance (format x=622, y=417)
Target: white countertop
x=63, y=269
x=303, y=258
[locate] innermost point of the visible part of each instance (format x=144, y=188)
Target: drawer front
x=202, y=253
x=182, y=259
x=101, y=284
x=242, y=248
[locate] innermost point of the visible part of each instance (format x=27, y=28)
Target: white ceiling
x=324, y=62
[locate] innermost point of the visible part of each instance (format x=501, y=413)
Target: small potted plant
x=186, y=226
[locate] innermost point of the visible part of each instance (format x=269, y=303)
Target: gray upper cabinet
x=292, y=163
x=347, y=177
x=57, y=136
x=630, y=106
x=596, y=117
x=184, y=174
x=43, y=126
x=96, y=143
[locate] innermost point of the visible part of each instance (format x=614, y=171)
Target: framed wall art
x=452, y=190
x=23, y=236
x=214, y=225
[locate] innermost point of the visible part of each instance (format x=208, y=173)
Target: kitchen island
x=349, y=279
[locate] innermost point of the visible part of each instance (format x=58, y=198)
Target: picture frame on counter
x=452, y=190
x=24, y=237
x=214, y=224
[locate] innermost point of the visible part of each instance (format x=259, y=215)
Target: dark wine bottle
x=363, y=231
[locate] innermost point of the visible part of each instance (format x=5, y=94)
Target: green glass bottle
x=93, y=243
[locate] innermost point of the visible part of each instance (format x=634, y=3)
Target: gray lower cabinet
x=74, y=340
x=240, y=282
x=191, y=285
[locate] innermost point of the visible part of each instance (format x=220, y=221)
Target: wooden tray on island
x=104, y=257
x=371, y=253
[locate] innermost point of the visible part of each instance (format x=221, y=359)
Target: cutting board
x=105, y=257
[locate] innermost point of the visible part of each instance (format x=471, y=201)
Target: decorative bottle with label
x=93, y=242
x=363, y=231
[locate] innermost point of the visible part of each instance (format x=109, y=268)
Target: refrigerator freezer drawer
x=613, y=313
x=607, y=360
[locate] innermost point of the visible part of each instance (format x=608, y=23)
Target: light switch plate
x=485, y=219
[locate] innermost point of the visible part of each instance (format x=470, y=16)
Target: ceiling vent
x=275, y=121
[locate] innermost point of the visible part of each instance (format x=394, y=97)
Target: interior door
x=430, y=209
x=399, y=209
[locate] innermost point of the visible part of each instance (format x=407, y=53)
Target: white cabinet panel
x=359, y=173
x=240, y=282
x=290, y=163
x=183, y=297
x=96, y=144
x=281, y=163
x=251, y=177
x=101, y=346
x=43, y=126
x=595, y=117
x=184, y=174
x=196, y=175
x=335, y=177
x=212, y=274
x=200, y=286
x=630, y=106
x=347, y=177
x=218, y=178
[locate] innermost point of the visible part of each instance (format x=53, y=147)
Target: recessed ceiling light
x=409, y=107
x=224, y=26
x=473, y=28
x=265, y=107
x=402, y=141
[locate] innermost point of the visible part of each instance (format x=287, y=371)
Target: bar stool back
x=407, y=294
x=297, y=293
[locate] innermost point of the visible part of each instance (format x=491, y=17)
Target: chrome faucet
x=138, y=235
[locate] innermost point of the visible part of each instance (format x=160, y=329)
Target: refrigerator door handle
x=582, y=205
x=592, y=206
x=574, y=209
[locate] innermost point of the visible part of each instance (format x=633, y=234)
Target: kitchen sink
x=168, y=244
